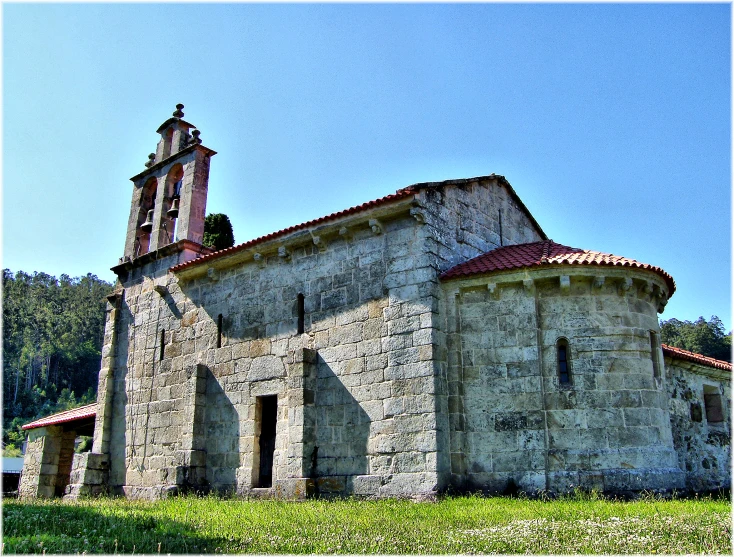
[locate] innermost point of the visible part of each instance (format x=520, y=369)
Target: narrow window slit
x=220, y=320
x=564, y=372
x=499, y=211
x=163, y=344
x=301, y=314
x=655, y=354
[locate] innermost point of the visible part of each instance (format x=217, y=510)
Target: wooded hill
x=52, y=341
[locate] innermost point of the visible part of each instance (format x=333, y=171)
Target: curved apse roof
x=548, y=252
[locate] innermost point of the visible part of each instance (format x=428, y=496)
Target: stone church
x=431, y=340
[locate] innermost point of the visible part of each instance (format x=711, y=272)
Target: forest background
x=52, y=341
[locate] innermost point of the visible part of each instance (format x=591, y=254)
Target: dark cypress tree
x=218, y=232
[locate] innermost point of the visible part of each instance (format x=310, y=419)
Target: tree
x=703, y=337
x=52, y=343
x=218, y=232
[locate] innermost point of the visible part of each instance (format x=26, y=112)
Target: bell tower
x=169, y=197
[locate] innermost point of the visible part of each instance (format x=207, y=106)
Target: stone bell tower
x=169, y=197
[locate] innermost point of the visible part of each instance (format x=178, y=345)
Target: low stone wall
x=89, y=475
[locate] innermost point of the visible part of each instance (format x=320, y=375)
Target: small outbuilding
x=50, y=450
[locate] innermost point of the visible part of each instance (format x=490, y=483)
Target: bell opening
x=173, y=211
x=147, y=226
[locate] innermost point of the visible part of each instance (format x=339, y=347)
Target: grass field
x=579, y=524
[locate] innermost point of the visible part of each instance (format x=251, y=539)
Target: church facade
x=431, y=340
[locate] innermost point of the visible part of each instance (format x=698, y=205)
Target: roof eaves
x=505, y=260
x=681, y=354
x=80, y=413
x=397, y=196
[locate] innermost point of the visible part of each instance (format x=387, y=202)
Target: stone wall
x=703, y=446
x=371, y=301
x=41, y=462
x=47, y=462
x=607, y=430
x=371, y=417
x=462, y=222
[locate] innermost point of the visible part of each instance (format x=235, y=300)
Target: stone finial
x=179, y=112
x=195, y=137
x=151, y=160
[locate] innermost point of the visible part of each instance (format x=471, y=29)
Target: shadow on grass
x=96, y=527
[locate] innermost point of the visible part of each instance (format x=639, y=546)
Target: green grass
x=579, y=524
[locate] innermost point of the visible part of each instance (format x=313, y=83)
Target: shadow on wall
x=342, y=428
x=120, y=438
x=222, y=437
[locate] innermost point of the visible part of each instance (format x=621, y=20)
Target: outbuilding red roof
x=681, y=354
x=88, y=411
x=547, y=252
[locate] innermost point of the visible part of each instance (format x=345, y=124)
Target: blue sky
x=612, y=122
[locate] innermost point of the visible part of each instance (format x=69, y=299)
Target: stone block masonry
x=342, y=356
x=360, y=409
x=355, y=370
x=517, y=425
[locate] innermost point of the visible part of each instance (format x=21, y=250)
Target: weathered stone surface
x=388, y=381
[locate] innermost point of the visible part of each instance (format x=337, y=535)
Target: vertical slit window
x=655, y=354
x=499, y=217
x=163, y=343
x=220, y=320
x=562, y=357
x=301, y=314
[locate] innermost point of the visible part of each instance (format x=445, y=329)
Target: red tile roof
x=88, y=411
x=547, y=252
x=400, y=194
x=681, y=354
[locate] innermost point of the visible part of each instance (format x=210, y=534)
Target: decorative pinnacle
x=179, y=113
x=195, y=137
x=151, y=160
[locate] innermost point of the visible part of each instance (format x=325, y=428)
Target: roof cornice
x=185, y=151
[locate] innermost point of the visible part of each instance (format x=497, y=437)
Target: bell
x=173, y=211
x=147, y=226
